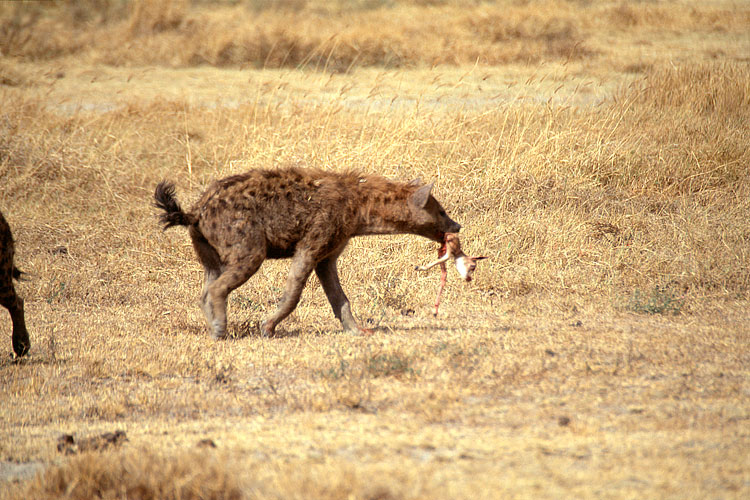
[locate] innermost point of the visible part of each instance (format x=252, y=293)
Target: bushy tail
x=173, y=214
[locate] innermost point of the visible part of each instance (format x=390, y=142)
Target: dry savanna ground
x=597, y=152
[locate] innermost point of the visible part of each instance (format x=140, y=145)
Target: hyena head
x=427, y=216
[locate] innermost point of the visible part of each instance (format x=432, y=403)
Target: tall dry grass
x=337, y=36
x=142, y=475
x=648, y=190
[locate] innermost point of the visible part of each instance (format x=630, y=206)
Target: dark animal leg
x=302, y=266
x=209, y=276
x=328, y=275
x=21, y=343
x=214, y=300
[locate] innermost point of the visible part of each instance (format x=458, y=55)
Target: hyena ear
x=415, y=182
x=421, y=195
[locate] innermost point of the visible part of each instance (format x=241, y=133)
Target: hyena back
x=8, y=297
x=303, y=214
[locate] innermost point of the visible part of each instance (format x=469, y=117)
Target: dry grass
x=338, y=36
x=600, y=352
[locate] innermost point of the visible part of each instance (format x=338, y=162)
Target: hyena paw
x=218, y=331
x=267, y=329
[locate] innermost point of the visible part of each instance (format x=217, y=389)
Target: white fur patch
x=463, y=267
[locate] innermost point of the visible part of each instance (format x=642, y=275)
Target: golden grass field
x=597, y=152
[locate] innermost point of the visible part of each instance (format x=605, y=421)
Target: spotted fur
x=304, y=214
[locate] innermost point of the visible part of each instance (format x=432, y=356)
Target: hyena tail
x=173, y=215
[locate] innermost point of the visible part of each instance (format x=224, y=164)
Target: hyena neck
x=375, y=221
x=383, y=209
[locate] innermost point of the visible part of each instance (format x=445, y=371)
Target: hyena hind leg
x=214, y=300
x=209, y=276
x=209, y=257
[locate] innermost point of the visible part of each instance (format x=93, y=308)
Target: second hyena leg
x=214, y=301
x=328, y=275
x=20, y=336
x=302, y=266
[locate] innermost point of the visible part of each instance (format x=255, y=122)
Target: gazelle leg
x=443, y=278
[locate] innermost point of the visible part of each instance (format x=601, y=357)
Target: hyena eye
x=442, y=213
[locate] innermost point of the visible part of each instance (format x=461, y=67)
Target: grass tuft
x=139, y=474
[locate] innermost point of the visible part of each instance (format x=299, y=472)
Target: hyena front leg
x=302, y=266
x=328, y=275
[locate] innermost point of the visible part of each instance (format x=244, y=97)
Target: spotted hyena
x=304, y=214
x=8, y=297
